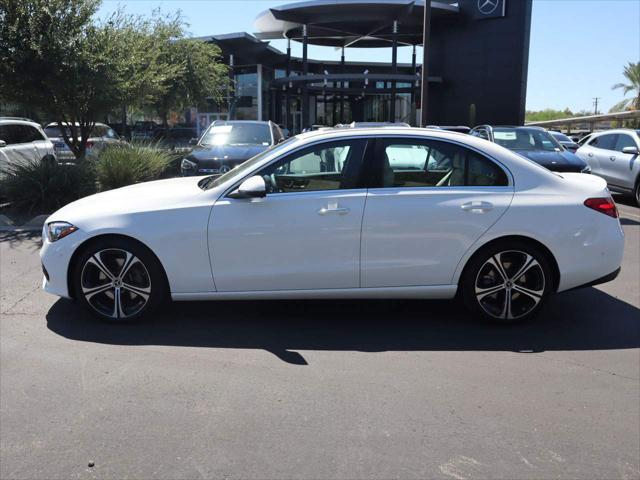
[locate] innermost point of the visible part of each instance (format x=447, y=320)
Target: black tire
x=119, y=280
x=525, y=279
x=637, y=192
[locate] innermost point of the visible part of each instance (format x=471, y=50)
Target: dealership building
x=477, y=56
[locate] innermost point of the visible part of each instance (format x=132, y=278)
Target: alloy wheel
x=115, y=283
x=509, y=285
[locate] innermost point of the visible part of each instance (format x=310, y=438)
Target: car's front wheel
x=119, y=280
x=507, y=282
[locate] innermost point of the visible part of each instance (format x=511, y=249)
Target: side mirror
x=193, y=141
x=253, y=187
x=630, y=150
x=3, y=143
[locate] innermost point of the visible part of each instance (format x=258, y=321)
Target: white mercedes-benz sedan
x=357, y=213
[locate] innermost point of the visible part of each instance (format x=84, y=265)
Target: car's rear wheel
x=507, y=282
x=119, y=280
x=637, y=192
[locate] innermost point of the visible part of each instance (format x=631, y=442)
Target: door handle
x=338, y=211
x=477, y=207
x=612, y=158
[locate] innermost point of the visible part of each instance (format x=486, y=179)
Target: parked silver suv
x=22, y=139
x=101, y=136
x=615, y=156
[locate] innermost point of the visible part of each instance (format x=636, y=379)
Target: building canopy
x=350, y=23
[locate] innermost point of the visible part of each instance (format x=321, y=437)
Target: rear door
x=432, y=199
x=604, y=154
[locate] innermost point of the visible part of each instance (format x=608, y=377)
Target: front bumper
x=56, y=258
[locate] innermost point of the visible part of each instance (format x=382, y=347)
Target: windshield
x=525, y=139
x=53, y=131
x=213, y=181
x=561, y=137
x=237, y=134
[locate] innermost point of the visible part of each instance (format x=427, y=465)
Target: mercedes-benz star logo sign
x=487, y=7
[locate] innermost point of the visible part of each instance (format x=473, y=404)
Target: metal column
x=231, y=93
x=413, y=87
x=305, y=71
x=425, y=63
x=287, y=97
x=394, y=70
x=341, y=88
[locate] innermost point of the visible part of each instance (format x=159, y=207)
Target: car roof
x=18, y=121
x=55, y=124
x=616, y=130
x=233, y=122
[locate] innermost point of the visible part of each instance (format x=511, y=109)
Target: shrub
x=126, y=164
x=36, y=186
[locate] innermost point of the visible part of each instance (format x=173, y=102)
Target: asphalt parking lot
x=359, y=389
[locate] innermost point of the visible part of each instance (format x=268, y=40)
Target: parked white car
x=101, y=136
x=615, y=156
x=23, y=140
x=344, y=213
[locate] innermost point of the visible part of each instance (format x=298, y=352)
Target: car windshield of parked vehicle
x=214, y=181
x=525, y=139
x=53, y=131
x=561, y=137
x=237, y=134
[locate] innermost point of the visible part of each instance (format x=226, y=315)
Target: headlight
x=586, y=169
x=58, y=230
x=188, y=164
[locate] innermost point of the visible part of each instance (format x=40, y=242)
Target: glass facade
x=255, y=97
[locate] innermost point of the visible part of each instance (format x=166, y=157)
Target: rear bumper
x=604, y=279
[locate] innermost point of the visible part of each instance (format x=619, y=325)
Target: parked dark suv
x=227, y=144
x=534, y=143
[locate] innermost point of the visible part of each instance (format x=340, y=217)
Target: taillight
x=89, y=144
x=603, y=205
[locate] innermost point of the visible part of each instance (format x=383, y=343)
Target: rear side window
x=606, y=142
x=410, y=163
x=16, y=134
x=482, y=133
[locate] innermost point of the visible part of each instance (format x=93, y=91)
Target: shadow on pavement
x=581, y=320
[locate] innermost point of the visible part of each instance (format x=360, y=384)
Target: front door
x=622, y=170
x=304, y=234
x=434, y=200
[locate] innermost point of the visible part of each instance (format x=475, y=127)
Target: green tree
x=55, y=56
x=198, y=76
x=632, y=74
x=547, y=114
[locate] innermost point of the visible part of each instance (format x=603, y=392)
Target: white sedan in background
x=357, y=213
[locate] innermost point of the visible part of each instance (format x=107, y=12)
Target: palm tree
x=632, y=73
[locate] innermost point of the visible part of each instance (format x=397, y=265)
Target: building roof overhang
x=350, y=23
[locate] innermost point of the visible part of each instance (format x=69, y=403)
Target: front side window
x=413, y=163
x=326, y=166
x=624, y=141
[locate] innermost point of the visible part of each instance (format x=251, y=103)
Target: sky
x=578, y=48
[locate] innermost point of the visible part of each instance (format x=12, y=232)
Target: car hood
x=558, y=161
x=115, y=204
x=224, y=152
